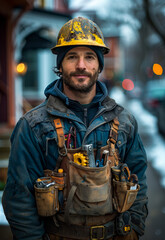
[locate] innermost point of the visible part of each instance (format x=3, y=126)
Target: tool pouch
x=123, y=196
x=47, y=200
x=89, y=190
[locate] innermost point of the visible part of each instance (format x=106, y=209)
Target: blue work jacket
x=34, y=149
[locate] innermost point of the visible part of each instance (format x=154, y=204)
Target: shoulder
x=126, y=116
x=127, y=122
x=117, y=110
x=39, y=120
x=37, y=114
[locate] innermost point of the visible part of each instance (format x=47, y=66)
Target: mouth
x=80, y=76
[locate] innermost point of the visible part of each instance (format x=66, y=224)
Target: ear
x=60, y=69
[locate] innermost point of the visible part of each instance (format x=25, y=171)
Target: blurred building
x=28, y=30
x=113, y=63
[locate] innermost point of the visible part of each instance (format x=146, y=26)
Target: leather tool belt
x=85, y=191
x=105, y=231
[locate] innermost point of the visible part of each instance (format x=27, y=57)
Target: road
x=155, y=223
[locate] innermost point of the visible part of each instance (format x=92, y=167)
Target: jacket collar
x=55, y=105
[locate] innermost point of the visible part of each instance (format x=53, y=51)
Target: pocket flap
x=93, y=194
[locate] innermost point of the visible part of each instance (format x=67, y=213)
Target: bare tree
x=151, y=18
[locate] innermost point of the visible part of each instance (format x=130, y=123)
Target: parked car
x=154, y=101
x=153, y=95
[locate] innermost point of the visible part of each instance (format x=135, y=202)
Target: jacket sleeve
x=25, y=166
x=136, y=159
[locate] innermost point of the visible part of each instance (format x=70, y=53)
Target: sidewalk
x=5, y=232
x=155, y=223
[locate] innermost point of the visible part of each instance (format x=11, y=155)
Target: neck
x=82, y=98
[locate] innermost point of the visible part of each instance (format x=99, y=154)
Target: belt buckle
x=96, y=227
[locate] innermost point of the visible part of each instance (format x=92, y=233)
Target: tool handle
x=133, y=178
x=125, y=172
x=90, y=154
x=98, y=153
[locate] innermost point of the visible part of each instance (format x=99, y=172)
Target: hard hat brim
x=56, y=48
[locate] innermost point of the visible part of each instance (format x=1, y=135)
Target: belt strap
x=60, y=132
x=105, y=231
x=113, y=139
x=61, y=142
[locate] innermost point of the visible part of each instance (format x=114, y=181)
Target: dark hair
x=57, y=71
x=63, y=50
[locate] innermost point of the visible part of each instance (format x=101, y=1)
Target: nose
x=81, y=64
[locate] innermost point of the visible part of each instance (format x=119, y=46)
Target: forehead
x=81, y=50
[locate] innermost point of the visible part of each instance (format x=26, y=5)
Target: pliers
x=71, y=134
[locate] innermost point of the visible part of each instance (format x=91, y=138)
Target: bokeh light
x=21, y=68
x=157, y=69
x=128, y=84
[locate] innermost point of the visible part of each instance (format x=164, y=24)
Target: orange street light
x=21, y=68
x=157, y=69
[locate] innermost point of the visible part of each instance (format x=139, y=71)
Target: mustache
x=80, y=73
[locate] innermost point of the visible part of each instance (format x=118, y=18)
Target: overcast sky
x=101, y=7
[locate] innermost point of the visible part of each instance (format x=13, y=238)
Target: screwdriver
x=98, y=154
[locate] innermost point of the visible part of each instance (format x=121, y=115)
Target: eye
x=70, y=57
x=90, y=57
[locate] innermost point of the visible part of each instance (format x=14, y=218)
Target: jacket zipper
x=88, y=132
x=85, y=116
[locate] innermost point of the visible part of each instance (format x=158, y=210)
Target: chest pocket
x=89, y=190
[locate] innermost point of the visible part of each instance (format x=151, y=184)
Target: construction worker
x=77, y=164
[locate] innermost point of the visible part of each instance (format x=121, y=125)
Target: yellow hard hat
x=80, y=31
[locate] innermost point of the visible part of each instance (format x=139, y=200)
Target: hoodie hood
x=55, y=89
x=85, y=112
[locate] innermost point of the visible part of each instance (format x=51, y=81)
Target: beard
x=79, y=86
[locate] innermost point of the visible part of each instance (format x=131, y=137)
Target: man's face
x=80, y=69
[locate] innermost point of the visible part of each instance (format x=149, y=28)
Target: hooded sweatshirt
x=85, y=112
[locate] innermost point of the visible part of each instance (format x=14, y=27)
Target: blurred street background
x=133, y=72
